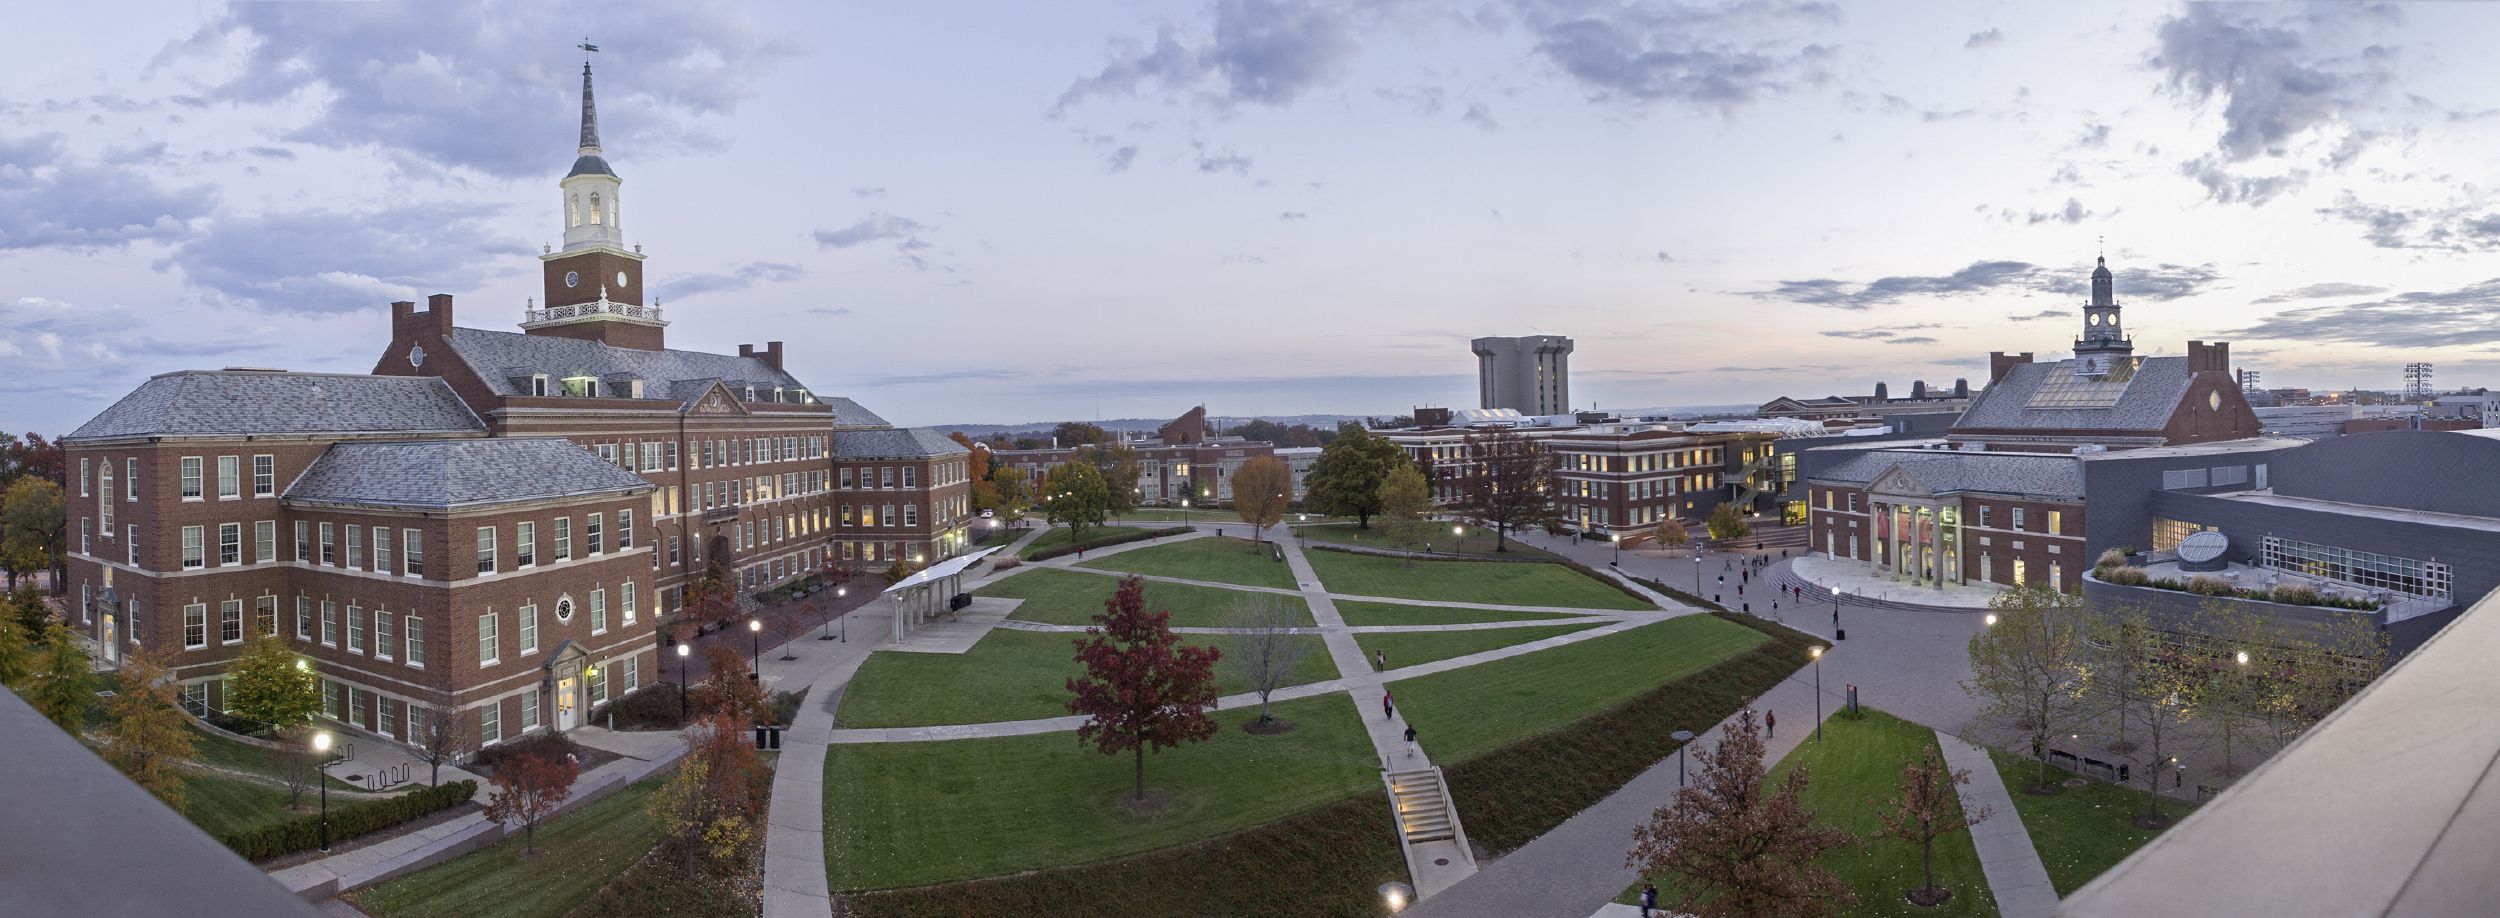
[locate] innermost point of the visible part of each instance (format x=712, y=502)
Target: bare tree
x=436, y=729
x=1265, y=651
x=791, y=628
x=2028, y=666
x=294, y=762
x=1506, y=482
x=1926, y=808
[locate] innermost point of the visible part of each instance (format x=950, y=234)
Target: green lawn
x=1862, y=759
x=1468, y=712
x=905, y=814
x=2079, y=831
x=1466, y=581
x=1362, y=612
x=225, y=752
x=221, y=804
x=1408, y=648
x=578, y=852
x=1416, y=537
x=1223, y=560
x=1058, y=536
x=1009, y=675
x=1059, y=597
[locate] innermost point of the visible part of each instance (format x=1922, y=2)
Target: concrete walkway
x=1858, y=578
x=2015, y=874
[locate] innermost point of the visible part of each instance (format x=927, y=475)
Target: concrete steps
x=1423, y=806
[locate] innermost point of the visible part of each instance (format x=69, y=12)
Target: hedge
x=303, y=833
x=1511, y=795
x=1122, y=539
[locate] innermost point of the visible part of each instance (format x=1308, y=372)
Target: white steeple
x=592, y=202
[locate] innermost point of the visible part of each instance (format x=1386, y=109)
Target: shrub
x=2111, y=558
x=786, y=706
x=2210, y=585
x=652, y=707
x=1121, y=539
x=303, y=833
x=2125, y=575
x=1005, y=564
x=548, y=745
x=2295, y=594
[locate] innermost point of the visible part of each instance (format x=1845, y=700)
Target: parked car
x=989, y=514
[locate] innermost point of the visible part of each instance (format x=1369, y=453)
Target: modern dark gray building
x=1531, y=374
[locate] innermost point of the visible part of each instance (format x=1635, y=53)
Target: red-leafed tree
x=711, y=601
x=1734, y=851
x=1142, y=687
x=529, y=789
x=1928, y=808
x=728, y=689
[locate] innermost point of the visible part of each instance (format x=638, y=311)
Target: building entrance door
x=568, y=703
x=112, y=642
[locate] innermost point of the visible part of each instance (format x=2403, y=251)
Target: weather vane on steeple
x=587, y=47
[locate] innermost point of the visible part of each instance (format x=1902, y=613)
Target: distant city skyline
x=1272, y=208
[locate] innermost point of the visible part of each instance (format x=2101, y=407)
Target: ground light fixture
x=1817, y=654
x=1397, y=896
x=1991, y=620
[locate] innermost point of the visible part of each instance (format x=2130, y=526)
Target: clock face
x=2095, y=319
x=620, y=278
x=572, y=278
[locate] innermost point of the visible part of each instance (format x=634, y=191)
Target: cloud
x=867, y=193
x=484, y=86
x=2224, y=186
x=315, y=262
x=1663, y=258
x=739, y=278
x=904, y=232
x=2417, y=319
x=1267, y=52
x=2295, y=82
x=1913, y=339
x=2324, y=291
x=2093, y=136
x=1982, y=39
x=829, y=310
x=2158, y=283
x=48, y=200
x=1714, y=58
x=2043, y=314
x=1292, y=215
x=1861, y=334
x=2073, y=212
x=2462, y=227
x=1221, y=161
x=1481, y=116
x=1119, y=159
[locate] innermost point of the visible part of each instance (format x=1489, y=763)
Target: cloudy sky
x=1017, y=211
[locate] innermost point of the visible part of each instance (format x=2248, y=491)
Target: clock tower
x=594, y=284
x=2103, y=345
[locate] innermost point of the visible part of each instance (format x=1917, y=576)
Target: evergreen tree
x=1347, y=478
x=63, y=685
x=272, y=685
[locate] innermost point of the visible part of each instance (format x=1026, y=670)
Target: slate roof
x=847, y=413
x=1955, y=472
x=498, y=357
x=2150, y=398
x=455, y=474
x=894, y=443
x=230, y=403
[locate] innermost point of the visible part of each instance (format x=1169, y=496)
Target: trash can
x=760, y=739
x=775, y=736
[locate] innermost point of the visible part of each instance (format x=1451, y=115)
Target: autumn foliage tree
x=1735, y=851
x=710, y=601
x=528, y=789
x=1075, y=496
x=147, y=736
x=1262, y=488
x=1927, y=808
x=2029, y=667
x=63, y=683
x=710, y=805
x=1726, y=523
x=726, y=689
x=1142, y=687
x=271, y=685
x=1506, y=483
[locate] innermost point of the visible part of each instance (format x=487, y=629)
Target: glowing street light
x=321, y=765
x=1817, y=654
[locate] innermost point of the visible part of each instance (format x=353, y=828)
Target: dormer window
x=538, y=385
x=633, y=388
x=750, y=393
x=581, y=386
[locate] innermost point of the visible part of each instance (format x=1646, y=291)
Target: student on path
x=1649, y=898
x=1387, y=710
x=1770, y=724
x=1410, y=741
x=1380, y=660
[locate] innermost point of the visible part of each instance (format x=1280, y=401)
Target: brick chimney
x=2001, y=363
x=434, y=322
x=2215, y=357
x=772, y=355
x=746, y=350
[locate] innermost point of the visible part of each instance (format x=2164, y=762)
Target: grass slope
x=1362, y=612
x=578, y=852
x=1862, y=759
x=1412, y=647
x=1058, y=536
x=221, y=804
x=1466, y=581
x=1468, y=712
x=1223, y=560
x=2079, y=831
x=1068, y=598
x=907, y=814
x=1009, y=675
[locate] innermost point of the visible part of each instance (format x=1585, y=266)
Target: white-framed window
x=329, y=544
x=264, y=541
x=2018, y=519
x=598, y=611
x=846, y=478
x=564, y=538
x=329, y=623
x=885, y=476
x=130, y=480
x=529, y=709
x=194, y=551
x=229, y=477
x=416, y=641
x=412, y=551
x=355, y=548
x=355, y=628
x=490, y=723
x=229, y=544
x=329, y=699
x=86, y=536
x=909, y=474
x=303, y=540
x=382, y=550
x=267, y=608
x=888, y=515
x=599, y=685
x=489, y=640
x=381, y=635
x=382, y=706
x=625, y=598
x=525, y=544
x=590, y=533
x=529, y=628
x=416, y=720
x=486, y=549
x=192, y=487
x=130, y=544
x=624, y=530
x=230, y=622
x=264, y=475
x=633, y=454
x=195, y=625
x=911, y=514
x=633, y=674
x=104, y=496
x=303, y=618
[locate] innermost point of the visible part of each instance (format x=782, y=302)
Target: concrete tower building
x=1529, y=374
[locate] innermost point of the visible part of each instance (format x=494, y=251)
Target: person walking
x=1649, y=898
x=1387, y=709
x=1770, y=724
x=1380, y=660
x=1410, y=741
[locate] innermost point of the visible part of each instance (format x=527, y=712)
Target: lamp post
x=321, y=766
x=1617, y=538
x=845, y=590
x=1682, y=738
x=1837, y=634
x=682, y=650
x=1184, y=511
x=1817, y=654
x=1457, y=535
x=1696, y=575
x=755, y=636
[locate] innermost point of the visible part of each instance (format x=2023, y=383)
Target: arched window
x=594, y=209
x=572, y=211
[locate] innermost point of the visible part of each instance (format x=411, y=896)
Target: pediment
x=1898, y=482
x=716, y=399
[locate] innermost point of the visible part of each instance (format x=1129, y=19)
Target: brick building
x=492, y=520
x=1616, y=474
x=1181, y=463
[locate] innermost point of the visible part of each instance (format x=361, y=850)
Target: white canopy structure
x=920, y=595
